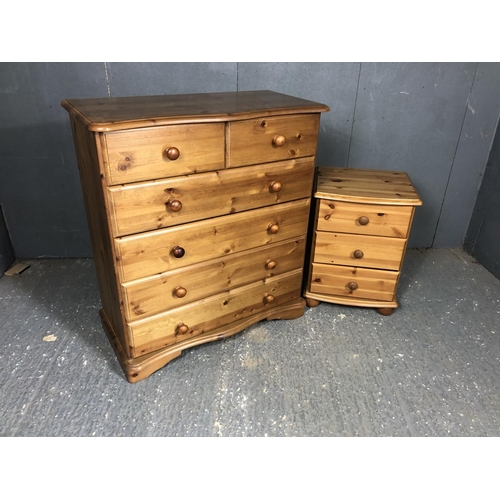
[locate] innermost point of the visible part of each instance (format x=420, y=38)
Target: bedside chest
x=198, y=209
x=361, y=228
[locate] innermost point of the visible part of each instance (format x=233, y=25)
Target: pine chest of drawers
x=361, y=227
x=198, y=209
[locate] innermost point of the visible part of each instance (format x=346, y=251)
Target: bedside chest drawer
x=272, y=139
x=358, y=218
x=207, y=314
x=154, y=153
x=166, y=249
x=359, y=251
x=361, y=228
x=143, y=298
x=152, y=205
x=355, y=282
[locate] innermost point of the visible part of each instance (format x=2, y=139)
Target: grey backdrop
x=435, y=121
x=483, y=236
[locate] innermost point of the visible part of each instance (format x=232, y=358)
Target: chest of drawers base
x=141, y=367
x=198, y=209
x=361, y=226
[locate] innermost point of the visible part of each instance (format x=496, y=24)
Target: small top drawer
x=154, y=153
x=272, y=139
x=359, y=218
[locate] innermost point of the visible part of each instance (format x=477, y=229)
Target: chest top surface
x=121, y=113
x=366, y=186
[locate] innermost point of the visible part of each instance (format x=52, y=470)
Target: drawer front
x=359, y=251
x=145, y=206
x=143, y=298
x=163, y=250
x=150, y=153
x=271, y=139
x=357, y=218
x=355, y=282
x=202, y=316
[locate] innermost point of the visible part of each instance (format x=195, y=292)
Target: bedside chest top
x=121, y=113
x=366, y=186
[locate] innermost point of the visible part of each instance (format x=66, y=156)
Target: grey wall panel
x=486, y=248
x=333, y=84
x=483, y=234
x=170, y=78
x=6, y=252
x=408, y=117
x=472, y=153
x=40, y=188
x=487, y=191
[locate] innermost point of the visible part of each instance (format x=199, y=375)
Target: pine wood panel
x=251, y=141
x=144, y=206
x=145, y=297
x=208, y=314
x=366, y=186
x=336, y=280
x=120, y=113
x=138, y=155
x=151, y=253
x=378, y=252
x=87, y=147
x=343, y=217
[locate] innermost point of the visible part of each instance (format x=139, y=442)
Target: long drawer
x=271, y=139
x=359, y=250
x=162, y=250
x=207, y=314
x=148, y=296
x=155, y=153
x=355, y=282
x=151, y=205
x=359, y=218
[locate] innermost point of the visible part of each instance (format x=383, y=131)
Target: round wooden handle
x=358, y=254
x=182, y=329
x=271, y=264
x=279, y=140
x=178, y=252
x=275, y=187
x=273, y=228
x=175, y=205
x=172, y=153
x=363, y=220
x=352, y=286
x=180, y=292
x=268, y=298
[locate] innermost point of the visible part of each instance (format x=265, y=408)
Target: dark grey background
x=483, y=236
x=435, y=121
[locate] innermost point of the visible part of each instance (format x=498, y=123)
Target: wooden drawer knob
x=178, y=252
x=273, y=228
x=175, y=205
x=363, y=220
x=275, y=187
x=358, y=254
x=271, y=264
x=268, y=298
x=172, y=153
x=180, y=292
x=279, y=140
x=182, y=329
x=352, y=286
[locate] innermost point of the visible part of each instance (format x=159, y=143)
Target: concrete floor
x=430, y=369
